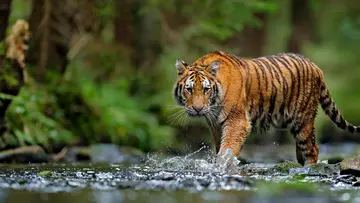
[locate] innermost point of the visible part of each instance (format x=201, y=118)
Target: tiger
x=237, y=95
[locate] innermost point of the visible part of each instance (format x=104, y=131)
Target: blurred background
x=102, y=71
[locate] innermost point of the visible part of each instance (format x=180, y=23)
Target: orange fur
x=236, y=94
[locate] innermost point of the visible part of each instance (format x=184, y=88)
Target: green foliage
x=211, y=18
x=103, y=98
x=28, y=120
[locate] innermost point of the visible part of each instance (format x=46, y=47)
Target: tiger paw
x=227, y=162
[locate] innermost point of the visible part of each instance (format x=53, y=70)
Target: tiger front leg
x=234, y=133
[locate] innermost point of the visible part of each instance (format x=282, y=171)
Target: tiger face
x=197, y=89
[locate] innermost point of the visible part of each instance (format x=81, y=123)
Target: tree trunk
x=139, y=34
x=5, y=8
x=302, y=25
x=124, y=23
x=57, y=26
x=250, y=40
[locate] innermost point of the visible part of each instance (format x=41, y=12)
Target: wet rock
x=335, y=159
x=351, y=166
x=323, y=169
x=164, y=176
x=356, y=184
x=319, y=169
x=204, y=182
x=239, y=179
x=256, y=169
x=108, y=153
x=348, y=179
x=286, y=166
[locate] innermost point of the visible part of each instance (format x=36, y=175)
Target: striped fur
x=236, y=95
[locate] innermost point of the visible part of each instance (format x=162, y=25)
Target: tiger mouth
x=193, y=113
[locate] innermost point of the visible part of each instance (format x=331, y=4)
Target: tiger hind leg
x=307, y=150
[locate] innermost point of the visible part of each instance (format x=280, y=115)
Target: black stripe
x=287, y=65
x=309, y=87
x=296, y=99
x=306, y=97
x=334, y=114
x=176, y=90
x=281, y=73
x=302, y=142
x=180, y=89
x=325, y=101
x=263, y=71
x=237, y=60
x=273, y=93
x=351, y=128
x=285, y=84
x=248, y=79
x=227, y=57
x=273, y=100
x=278, y=79
x=301, y=93
x=341, y=124
x=322, y=87
x=297, y=128
x=261, y=103
x=234, y=63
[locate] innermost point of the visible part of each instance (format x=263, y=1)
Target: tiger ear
x=213, y=67
x=180, y=66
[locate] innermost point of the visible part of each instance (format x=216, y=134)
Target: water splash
x=155, y=162
x=226, y=163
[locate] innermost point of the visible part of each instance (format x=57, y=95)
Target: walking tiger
x=236, y=95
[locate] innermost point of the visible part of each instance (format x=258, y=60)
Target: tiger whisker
x=175, y=118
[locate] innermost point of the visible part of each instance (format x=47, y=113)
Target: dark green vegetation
x=106, y=73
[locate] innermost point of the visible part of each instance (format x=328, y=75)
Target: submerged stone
x=323, y=169
x=351, y=166
x=335, y=159
x=286, y=166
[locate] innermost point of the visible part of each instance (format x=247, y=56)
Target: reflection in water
x=112, y=196
x=129, y=195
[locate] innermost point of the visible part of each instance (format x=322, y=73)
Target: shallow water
x=191, y=178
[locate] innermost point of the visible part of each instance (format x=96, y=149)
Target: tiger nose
x=198, y=108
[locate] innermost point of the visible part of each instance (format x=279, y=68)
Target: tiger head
x=197, y=88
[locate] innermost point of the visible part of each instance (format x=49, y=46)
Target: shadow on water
x=191, y=178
